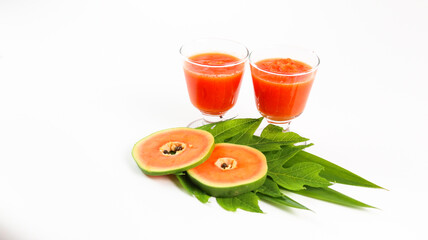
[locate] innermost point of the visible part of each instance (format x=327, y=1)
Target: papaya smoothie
x=281, y=87
x=213, y=81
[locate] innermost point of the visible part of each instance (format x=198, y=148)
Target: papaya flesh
x=172, y=150
x=230, y=170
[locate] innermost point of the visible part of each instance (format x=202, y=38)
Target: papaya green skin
x=174, y=170
x=231, y=191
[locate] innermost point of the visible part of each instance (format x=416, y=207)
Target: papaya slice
x=230, y=170
x=172, y=150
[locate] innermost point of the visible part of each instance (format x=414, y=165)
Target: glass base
x=197, y=123
x=207, y=119
x=284, y=125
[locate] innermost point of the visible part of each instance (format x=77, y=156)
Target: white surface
x=82, y=81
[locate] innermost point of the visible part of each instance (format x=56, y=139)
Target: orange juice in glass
x=213, y=69
x=282, y=79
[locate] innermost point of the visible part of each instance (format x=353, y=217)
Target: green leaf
x=192, y=189
x=247, y=201
x=245, y=136
x=263, y=145
x=288, y=167
x=282, y=200
x=276, y=134
x=272, y=138
x=270, y=192
x=230, y=128
x=332, y=172
x=277, y=159
x=299, y=175
x=269, y=188
x=330, y=195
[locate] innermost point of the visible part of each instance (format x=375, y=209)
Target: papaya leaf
x=245, y=136
x=230, y=128
x=270, y=192
x=272, y=138
x=298, y=175
x=227, y=204
x=288, y=167
x=263, y=145
x=247, y=201
x=332, y=172
x=276, y=134
x=269, y=188
x=330, y=195
x=277, y=159
x=192, y=189
x=282, y=200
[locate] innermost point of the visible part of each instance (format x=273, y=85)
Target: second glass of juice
x=213, y=69
x=282, y=79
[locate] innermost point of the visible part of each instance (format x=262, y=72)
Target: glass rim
x=313, y=69
x=241, y=60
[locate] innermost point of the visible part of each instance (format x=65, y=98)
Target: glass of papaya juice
x=213, y=69
x=282, y=80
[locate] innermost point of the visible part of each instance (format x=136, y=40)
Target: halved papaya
x=230, y=170
x=173, y=150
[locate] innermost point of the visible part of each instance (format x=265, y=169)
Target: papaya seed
x=226, y=163
x=172, y=148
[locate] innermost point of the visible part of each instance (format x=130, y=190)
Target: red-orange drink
x=213, y=81
x=281, y=87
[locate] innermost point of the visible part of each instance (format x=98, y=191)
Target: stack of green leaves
x=290, y=168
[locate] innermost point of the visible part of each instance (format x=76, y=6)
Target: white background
x=82, y=81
